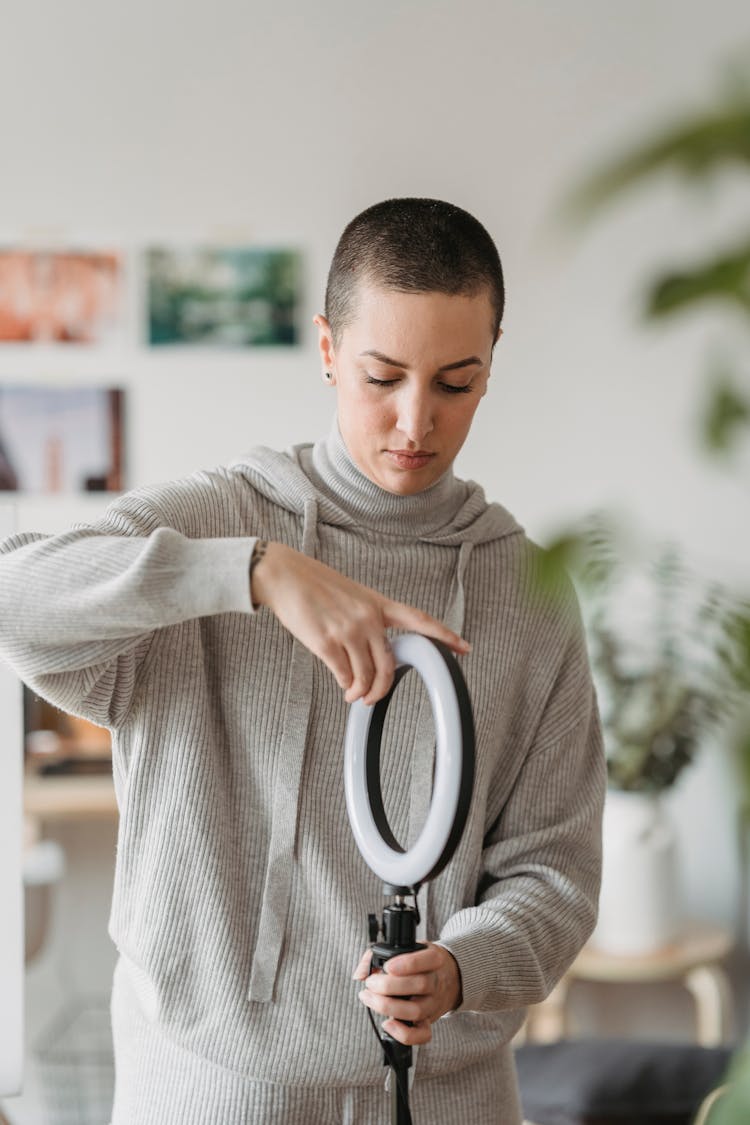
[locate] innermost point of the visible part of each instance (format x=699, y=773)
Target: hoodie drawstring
x=454, y=618
x=285, y=812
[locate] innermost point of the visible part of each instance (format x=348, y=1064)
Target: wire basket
x=76, y=1064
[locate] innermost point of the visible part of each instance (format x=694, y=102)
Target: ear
x=325, y=343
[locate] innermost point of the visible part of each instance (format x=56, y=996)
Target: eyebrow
x=472, y=359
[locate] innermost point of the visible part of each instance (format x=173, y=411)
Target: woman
x=240, y=900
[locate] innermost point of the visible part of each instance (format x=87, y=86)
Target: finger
x=423, y=961
x=362, y=971
x=385, y=984
x=363, y=670
x=414, y=1036
x=398, y=1008
x=335, y=658
x=407, y=617
x=385, y=668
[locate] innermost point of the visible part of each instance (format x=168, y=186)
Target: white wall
x=166, y=120
x=279, y=122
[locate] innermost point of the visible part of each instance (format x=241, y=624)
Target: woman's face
x=409, y=372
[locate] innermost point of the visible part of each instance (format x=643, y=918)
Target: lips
x=405, y=459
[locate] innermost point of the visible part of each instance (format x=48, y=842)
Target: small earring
x=329, y=376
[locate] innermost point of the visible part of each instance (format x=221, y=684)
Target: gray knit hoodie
x=240, y=900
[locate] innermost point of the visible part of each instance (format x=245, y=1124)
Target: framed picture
x=60, y=296
x=61, y=439
x=223, y=297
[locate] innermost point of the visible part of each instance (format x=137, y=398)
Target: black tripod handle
x=399, y=929
x=400, y=936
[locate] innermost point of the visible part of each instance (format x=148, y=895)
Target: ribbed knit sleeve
x=541, y=861
x=78, y=610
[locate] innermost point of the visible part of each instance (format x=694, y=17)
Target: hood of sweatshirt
x=450, y=512
x=322, y=484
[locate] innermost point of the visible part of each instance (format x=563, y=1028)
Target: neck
x=420, y=513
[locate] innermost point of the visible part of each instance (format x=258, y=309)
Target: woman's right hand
x=340, y=621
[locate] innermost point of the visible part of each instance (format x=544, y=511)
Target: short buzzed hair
x=412, y=246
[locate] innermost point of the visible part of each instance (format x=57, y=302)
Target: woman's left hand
x=419, y=987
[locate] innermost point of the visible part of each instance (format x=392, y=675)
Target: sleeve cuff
x=215, y=576
x=472, y=965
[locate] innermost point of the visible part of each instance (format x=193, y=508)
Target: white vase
x=640, y=907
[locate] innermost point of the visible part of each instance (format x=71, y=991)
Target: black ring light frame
x=374, y=792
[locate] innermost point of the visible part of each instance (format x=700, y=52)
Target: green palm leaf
x=693, y=148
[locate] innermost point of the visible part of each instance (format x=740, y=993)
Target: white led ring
x=454, y=768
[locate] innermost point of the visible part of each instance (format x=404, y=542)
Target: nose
x=415, y=416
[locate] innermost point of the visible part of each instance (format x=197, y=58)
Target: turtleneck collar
x=450, y=513
x=332, y=469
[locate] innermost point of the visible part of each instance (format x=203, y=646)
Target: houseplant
x=659, y=672
x=660, y=644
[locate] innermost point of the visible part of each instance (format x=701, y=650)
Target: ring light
x=454, y=768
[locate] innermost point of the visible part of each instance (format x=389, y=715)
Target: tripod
x=399, y=932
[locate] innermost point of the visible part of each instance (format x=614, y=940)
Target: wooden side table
x=694, y=960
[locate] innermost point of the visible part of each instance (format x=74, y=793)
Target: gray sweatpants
x=473, y=1095
x=159, y=1083
x=481, y=1095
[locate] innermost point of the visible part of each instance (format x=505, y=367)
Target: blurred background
x=135, y=131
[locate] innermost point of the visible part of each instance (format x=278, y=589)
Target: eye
x=451, y=390
x=381, y=382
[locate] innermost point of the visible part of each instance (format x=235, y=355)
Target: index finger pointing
x=407, y=617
